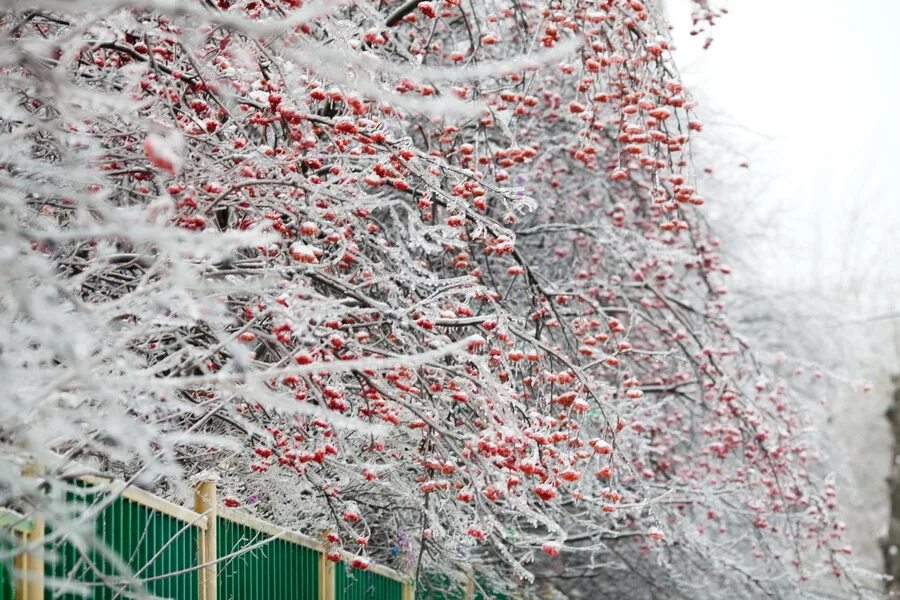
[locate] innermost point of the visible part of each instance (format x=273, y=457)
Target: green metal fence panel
x=155, y=547
x=6, y=588
x=7, y=592
x=276, y=570
x=352, y=584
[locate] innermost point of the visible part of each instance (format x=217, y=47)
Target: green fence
x=365, y=585
x=140, y=545
x=277, y=570
x=151, y=545
x=6, y=589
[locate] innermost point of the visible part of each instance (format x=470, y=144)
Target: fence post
x=409, y=590
x=29, y=581
x=469, y=594
x=30, y=565
x=205, y=504
x=326, y=578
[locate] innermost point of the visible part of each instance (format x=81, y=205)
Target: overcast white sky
x=808, y=92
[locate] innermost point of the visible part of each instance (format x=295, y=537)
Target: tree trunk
x=891, y=544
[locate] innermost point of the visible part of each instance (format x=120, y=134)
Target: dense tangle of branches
x=430, y=280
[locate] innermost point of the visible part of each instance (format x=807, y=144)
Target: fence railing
x=142, y=545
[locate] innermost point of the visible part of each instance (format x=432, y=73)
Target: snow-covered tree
x=430, y=280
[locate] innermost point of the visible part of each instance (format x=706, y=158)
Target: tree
x=430, y=280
